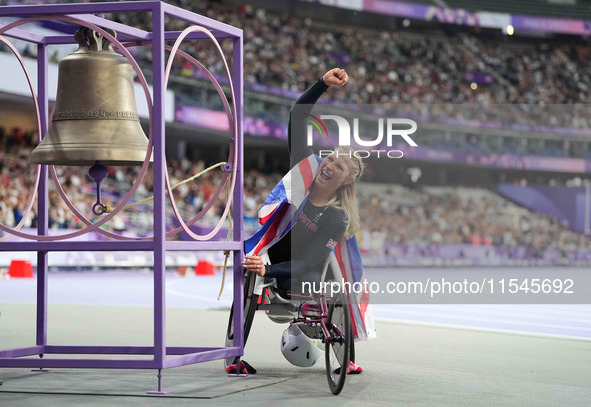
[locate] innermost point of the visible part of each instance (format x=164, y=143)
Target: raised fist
x=335, y=77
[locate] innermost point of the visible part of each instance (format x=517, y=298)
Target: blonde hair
x=346, y=199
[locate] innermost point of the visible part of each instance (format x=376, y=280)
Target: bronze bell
x=95, y=115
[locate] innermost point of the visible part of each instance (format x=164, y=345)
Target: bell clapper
x=98, y=172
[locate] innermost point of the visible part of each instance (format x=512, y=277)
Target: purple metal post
x=237, y=81
x=42, y=221
x=159, y=168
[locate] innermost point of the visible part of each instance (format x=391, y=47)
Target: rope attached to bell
x=109, y=209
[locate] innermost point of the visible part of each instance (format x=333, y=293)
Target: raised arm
x=296, y=133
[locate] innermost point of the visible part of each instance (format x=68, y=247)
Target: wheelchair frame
x=338, y=340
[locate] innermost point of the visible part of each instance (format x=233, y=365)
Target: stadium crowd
x=390, y=212
x=476, y=216
x=17, y=179
x=402, y=66
x=286, y=53
x=397, y=66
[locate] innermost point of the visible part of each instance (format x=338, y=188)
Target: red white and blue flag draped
x=276, y=215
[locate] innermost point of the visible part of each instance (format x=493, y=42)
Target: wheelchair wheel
x=337, y=350
x=250, y=306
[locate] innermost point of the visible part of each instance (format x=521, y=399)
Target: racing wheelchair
x=314, y=318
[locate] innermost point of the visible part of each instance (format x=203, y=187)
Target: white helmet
x=299, y=349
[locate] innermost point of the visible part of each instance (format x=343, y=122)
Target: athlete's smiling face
x=335, y=170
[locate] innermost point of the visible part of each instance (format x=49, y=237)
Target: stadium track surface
x=409, y=364
x=129, y=288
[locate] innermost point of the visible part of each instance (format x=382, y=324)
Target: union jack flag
x=276, y=216
x=331, y=244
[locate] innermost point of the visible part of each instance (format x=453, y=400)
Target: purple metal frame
x=163, y=356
